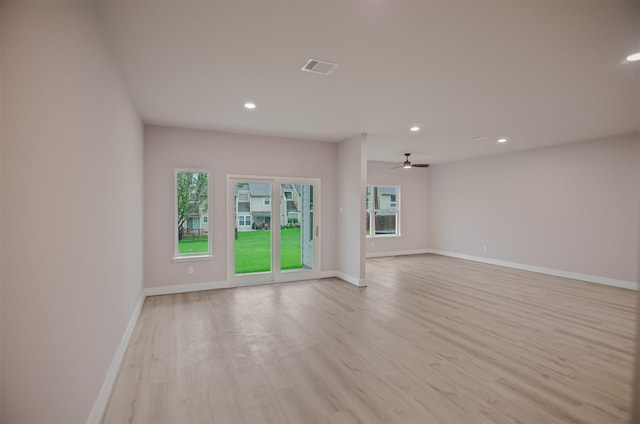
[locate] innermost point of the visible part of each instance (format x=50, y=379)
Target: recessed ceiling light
x=414, y=128
x=633, y=57
x=250, y=105
x=502, y=140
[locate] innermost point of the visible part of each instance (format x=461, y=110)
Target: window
x=243, y=197
x=244, y=220
x=288, y=195
x=192, y=208
x=267, y=200
x=382, y=211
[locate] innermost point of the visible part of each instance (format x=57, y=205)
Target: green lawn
x=193, y=245
x=290, y=248
x=253, y=253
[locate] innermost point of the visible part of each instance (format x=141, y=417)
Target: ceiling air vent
x=319, y=66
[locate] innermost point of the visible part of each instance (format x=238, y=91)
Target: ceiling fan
x=407, y=163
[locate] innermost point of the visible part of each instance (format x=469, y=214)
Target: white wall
x=71, y=211
x=350, y=230
x=1, y=101
x=222, y=153
x=414, y=208
x=571, y=208
x=635, y=393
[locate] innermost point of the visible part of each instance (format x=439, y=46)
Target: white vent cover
x=318, y=66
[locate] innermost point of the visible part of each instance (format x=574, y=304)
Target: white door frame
x=275, y=275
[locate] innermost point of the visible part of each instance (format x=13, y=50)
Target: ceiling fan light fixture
x=415, y=128
x=408, y=165
x=250, y=105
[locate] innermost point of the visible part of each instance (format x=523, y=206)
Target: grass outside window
x=253, y=250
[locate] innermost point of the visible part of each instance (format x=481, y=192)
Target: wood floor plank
x=430, y=340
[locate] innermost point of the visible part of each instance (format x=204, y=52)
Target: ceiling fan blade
x=419, y=165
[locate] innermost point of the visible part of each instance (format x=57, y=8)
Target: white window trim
x=372, y=211
x=192, y=258
x=186, y=257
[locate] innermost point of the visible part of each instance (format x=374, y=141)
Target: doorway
x=273, y=229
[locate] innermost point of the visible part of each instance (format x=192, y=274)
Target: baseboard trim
x=631, y=285
x=345, y=277
x=214, y=285
x=186, y=288
x=100, y=405
x=351, y=279
x=398, y=253
x=328, y=274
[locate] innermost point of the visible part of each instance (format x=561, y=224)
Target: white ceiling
x=541, y=73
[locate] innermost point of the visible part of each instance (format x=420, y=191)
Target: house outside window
x=383, y=212
x=191, y=209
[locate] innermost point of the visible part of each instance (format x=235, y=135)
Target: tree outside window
x=192, y=209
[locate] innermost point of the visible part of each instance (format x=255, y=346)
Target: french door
x=273, y=229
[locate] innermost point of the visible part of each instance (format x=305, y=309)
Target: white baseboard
x=351, y=279
x=632, y=285
x=328, y=274
x=100, y=405
x=398, y=253
x=186, y=288
x=213, y=285
x=346, y=277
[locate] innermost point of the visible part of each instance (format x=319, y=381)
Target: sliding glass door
x=273, y=229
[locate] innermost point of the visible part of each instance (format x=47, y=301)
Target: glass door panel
x=252, y=220
x=297, y=229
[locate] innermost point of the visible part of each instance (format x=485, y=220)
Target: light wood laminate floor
x=431, y=340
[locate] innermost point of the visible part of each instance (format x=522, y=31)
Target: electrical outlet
x=190, y=269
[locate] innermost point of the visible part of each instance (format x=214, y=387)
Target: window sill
x=192, y=258
x=384, y=235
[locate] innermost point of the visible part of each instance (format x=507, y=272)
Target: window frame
x=371, y=210
x=183, y=257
